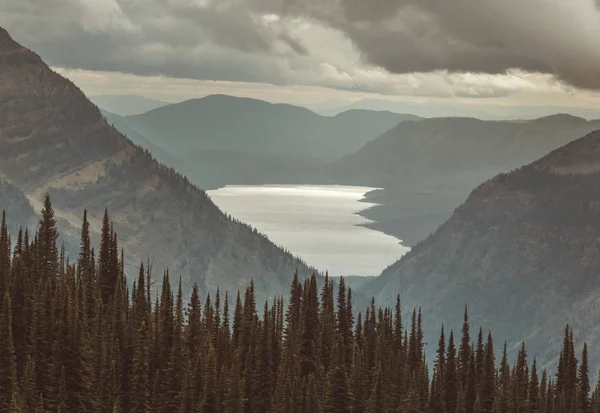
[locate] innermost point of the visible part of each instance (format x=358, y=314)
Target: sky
x=462, y=52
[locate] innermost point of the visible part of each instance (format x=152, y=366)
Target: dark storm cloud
x=230, y=40
x=487, y=36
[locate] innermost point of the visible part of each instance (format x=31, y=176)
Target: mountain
x=522, y=251
x=430, y=109
x=126, y=105
x=54, y=140
x=428, y=168
x=249, y=141
x=220, y=122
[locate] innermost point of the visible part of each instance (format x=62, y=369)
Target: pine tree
x=140, y=386
x=440, y=362
x=479, y=355
x=487, y=392
x=8, y=367
x=584, y=383
x=4, y=256
x=210, y=403
x=377, y=399
x=62, y=405
x=338, y=394
x=533, y=393
x=451, y=385
x=464, y=352
x=28, y=391
x=234, y=398
x=15, y=404
x=310, y=322
x=47, y=236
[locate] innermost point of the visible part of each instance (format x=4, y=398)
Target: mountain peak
x=6, y=42
x=563, y=118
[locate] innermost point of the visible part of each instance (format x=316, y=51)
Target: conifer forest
x=75, y=337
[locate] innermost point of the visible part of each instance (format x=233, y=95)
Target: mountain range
x=221, y=140
x=54, y=140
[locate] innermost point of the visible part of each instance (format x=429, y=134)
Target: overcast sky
x=482, y=52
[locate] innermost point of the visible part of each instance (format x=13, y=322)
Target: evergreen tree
x=47, y=236
x=583, y=392
x=376, y=401
x=8, y=365
x=533, y=393
x=451, y=385
x=234, y=398
x=140, y=385
x=338, y=395
x=464, y=352
x=487, y=392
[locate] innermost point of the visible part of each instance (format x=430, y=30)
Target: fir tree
x=487, y=386
x=451, y=385
x=583, y=392
x=234, y=398
x=8, y=365
x=338, y=395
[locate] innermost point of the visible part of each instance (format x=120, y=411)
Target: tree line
x=75, y=338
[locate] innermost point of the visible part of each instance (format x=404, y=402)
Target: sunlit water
x=318, y=223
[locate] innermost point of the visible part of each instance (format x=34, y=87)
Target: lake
x=318, y=223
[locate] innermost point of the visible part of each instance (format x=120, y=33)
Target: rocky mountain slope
x=54, y=140
x=523, y=251
x=429, y=167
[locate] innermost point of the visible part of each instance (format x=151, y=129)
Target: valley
x=361, y=193
x=318, y=206
x=425, y=167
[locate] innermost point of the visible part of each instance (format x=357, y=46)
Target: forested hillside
x=53, y=140
x=75, y=338
x=522, y=251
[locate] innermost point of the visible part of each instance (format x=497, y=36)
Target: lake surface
x=318, y=223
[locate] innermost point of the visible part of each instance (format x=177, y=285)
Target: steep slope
x=126, y=105
x=429, y=167
x=53, y=140
x=523, y=251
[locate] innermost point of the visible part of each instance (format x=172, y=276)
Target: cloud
x=554, y=37
x=464, y=48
